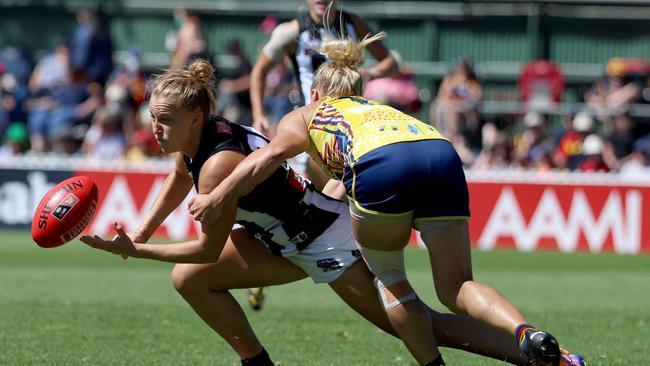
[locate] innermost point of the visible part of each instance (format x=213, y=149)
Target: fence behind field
x=526, y=211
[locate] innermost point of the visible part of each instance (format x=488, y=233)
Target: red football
x=64, y=212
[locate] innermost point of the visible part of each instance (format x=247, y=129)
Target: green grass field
x=76, y=306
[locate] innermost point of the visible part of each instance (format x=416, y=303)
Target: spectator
x=592, y=153
x=496, y=149
x=619, y=141
x=613, y=94
x=142, y=142
x=16, y=62
x=638, y=162
x=129, y=75
x=66, y=139
x=568, y=152
x=91, y=50
x=529, y=147
x=105, y=138
x=71, y=104
x=126, y=88
x=457, y=100
x=15, y=68
x=51, y=72
x=4, y=115
x=234, y=88
x=189, y=41
x=16, y=140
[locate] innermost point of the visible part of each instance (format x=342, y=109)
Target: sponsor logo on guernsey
x=223, y=127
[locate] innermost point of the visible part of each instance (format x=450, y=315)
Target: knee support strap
x=388, y=268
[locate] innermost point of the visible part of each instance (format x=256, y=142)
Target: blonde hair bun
x=201, y=69
x=346, y=52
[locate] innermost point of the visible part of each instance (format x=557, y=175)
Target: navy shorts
x=424, y=177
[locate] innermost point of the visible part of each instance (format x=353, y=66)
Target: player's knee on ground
x=390, y=276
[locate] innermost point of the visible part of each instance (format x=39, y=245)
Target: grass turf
x=76, y=306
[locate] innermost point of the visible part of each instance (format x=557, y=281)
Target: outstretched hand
x=120, y=245
x=204, y=209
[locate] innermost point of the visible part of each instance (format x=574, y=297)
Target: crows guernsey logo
x=65, y=206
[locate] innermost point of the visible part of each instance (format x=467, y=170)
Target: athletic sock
x=520, y=333
x=261, y=359
x=437, y=362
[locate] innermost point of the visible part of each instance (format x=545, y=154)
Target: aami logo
x=64, y=207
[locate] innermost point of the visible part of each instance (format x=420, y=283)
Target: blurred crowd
x=76, y=101
x=598, y=134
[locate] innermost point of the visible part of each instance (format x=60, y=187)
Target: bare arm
x=278, y=45
x=258, y=83
x=176, y=187
x=386, y=64
x=208, y=246
x=292, y=138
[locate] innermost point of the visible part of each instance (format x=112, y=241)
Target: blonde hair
x=191, y=88
x=340, y=75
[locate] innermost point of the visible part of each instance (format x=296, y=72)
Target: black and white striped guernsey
x=306, y=59
x=284, y=211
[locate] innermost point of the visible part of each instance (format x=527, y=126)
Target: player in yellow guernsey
x=343, y=129
x=398, y=174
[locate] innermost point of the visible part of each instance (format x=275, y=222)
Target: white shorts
x=330, y=254
x=299, y=163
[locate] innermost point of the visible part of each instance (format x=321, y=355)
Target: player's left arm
x=386, y=63
x=208, y=246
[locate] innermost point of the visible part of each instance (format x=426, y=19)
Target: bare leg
x=244, y=262
x=449, y=252
x=356, y=288
x=410, y=319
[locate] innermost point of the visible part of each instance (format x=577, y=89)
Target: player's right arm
x=176, y=187
x=207, y=247
x=281, y=43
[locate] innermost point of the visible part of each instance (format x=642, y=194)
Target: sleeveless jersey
x=285, y=211
x=344, y=129
x=306, y=59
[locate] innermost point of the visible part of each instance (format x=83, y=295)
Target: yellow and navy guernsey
x=343, y=129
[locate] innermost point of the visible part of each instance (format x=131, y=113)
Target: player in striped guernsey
x=304, y=232
x=299, y=39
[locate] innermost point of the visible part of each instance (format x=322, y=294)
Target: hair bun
x=201, y=69
x=343, y=52
x=346, y=51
